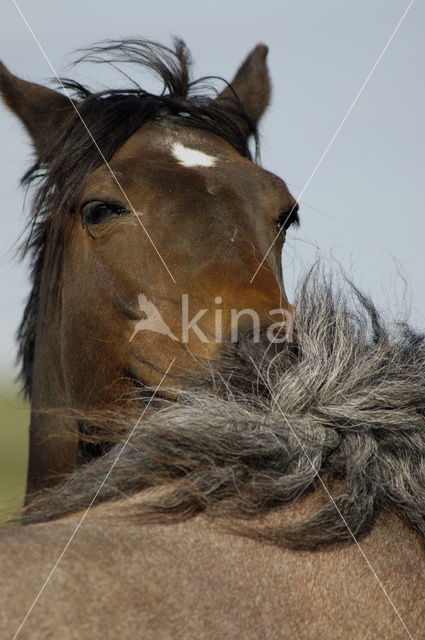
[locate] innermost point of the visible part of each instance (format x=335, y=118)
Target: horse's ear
x=252, y=87
x=41, y=110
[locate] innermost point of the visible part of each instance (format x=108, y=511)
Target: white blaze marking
x=191, y=157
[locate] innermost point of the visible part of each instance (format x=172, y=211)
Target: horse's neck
x=53, y=436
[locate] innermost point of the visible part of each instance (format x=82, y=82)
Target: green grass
x=14, y=414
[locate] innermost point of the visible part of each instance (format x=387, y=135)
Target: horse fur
x=259, y=430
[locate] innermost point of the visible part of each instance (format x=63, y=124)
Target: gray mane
x=349, y=405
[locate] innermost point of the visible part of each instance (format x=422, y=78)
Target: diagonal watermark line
x=341, y=124
x=83, y=517
x=369, y=564
x=93, y=140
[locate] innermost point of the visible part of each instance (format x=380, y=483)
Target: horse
x=268, y=493
x=282, y=497
x=148, y=226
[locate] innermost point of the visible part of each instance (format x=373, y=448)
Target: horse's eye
x=95, y=212
x=286, y=218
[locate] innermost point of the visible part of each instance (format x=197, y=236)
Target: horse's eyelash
x=288, y=218
x=114, y=206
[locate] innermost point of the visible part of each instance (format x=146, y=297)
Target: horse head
x=155, y=238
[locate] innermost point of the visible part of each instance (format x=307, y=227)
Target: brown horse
x=264, y=467
x=149, y=223
x=228, y=514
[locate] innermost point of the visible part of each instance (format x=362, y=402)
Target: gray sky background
x=365, y=204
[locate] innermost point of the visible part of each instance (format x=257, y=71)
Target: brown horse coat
x=191, y=581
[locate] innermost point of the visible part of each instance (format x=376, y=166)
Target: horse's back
x=193, y=580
